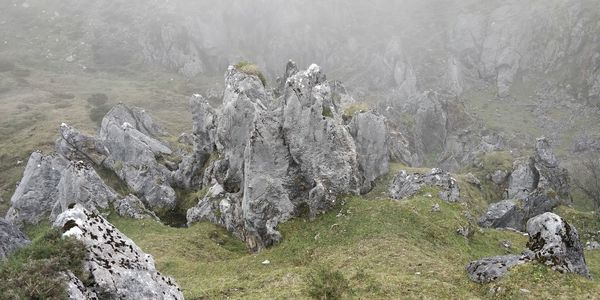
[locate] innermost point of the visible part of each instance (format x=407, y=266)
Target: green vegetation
x=327, y=113
x=354, y=108
x=326, y=284
x=251, y=69
x=36, y=271
x=186, y=199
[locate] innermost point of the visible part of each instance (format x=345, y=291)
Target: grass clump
x=99, y=107
x=327, y=113
x=37, y=271
x=251, y=69
x=325, y=283
x=354, y=108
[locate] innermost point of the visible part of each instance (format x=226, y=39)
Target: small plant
x=324, y=283
x=251, y=69
x=354, y=108
x=327, y=112
x=37, y=271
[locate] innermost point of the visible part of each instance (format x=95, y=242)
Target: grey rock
x=36, y=193
x=436, y=208
x=76, y=290
x=514, y=213
x=75, y=146
x=220, y=207
x=11, y=239
x=470, y=178
x=132, y=207
x=499, y=177
x=540, y=171
x=135, y=116
x=405, y=185
x=489, y=269
x=556, y=243
x=592, y=245
x=185, y=139
x=368, y=130
x=118, y=267
x=132, y=156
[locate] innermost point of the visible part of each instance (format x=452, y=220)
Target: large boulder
x=514, y=213
x=406, y=184
x=119, y=269
x=11, y=239
x=137, y=117
x=369, y=132
x=556, y=243
x=74, y=145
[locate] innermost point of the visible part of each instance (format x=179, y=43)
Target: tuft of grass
x=353, y=108
x=251, y=69
x=37, y=271
x=327, y=113
x=324, y=283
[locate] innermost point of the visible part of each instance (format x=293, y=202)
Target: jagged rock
x=11, y=239
x=290, y=69
x=556, y=243
x=36, y=194
x=79, y=183
x=191, y=169
x=219, y=207
x=317, y=140
x=540, y=171
x=135, y=116
x=267, y=185
x=470, y=178
x=368, y=130
x=406, y=185
x=76, y=290
x=132, y=207
x=514, y=213
x=399, y=147
x=489, y=269
x=132, y=156
x=118, y=267
x=75, y=146
x=499, y=177
x=244, y=95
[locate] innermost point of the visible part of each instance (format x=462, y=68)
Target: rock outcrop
x=406, y=184
x=279, y=158
x=540, y=171
x=51, y=184
x=552, y=241
x=514, y=213
x=11, y=239
x=119, y=269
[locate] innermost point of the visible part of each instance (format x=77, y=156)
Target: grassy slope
x=386, y=249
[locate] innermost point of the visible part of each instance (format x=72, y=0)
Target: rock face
x=75, y=146
x=11, y=239
x=556, y=243
x=514, y=213
x=552, y=242
x=369, y=132
x=540, y=171
x=135, y=116
x=279, y=158
x=37, y=192
x=51, y=184
x=406, y=185
x=132, y=155
x=118, y=267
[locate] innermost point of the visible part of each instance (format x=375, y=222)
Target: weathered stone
x=135, y=116
x=132, y=207
x=36, y=194
x=75, y=146
x=489, y=269
x=11, y=239
x=406, y=185
x=556, y=243
x=118, y=267
x=368, y=130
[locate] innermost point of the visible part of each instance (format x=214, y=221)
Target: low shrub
x=251, y=69
x=37, y=271
x=324, y=283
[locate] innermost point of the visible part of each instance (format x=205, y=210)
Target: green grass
x=35, y=272
x=251, y=69
x=353, y=108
